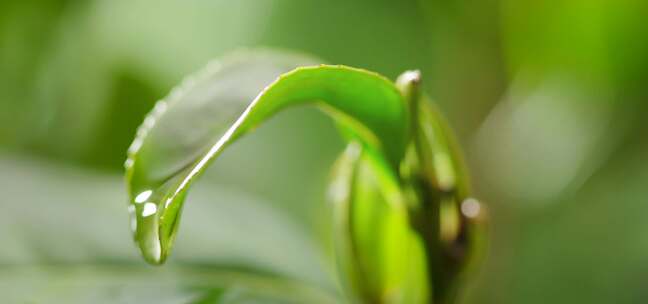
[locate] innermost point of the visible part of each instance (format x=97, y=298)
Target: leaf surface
x=190, y=128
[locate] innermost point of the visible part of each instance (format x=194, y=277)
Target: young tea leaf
x=192, y=126
x=181, y=129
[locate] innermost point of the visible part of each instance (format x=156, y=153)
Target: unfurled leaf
x=192, y=126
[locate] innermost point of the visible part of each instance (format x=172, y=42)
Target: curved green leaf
x=190, y=128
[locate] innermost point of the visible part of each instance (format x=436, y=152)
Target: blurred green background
x=548, y=99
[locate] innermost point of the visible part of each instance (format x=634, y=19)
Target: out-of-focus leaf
x=543, y=141
x=26, y=30
x=77, y=252
x=209, y=111
x=109, y=283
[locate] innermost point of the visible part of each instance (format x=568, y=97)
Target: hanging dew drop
x=144, y=209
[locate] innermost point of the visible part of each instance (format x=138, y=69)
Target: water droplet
x=470, y=208
x=149, y=209
x=135, y=146
x=128, y=163
x=133, y=223
x=142, y=197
